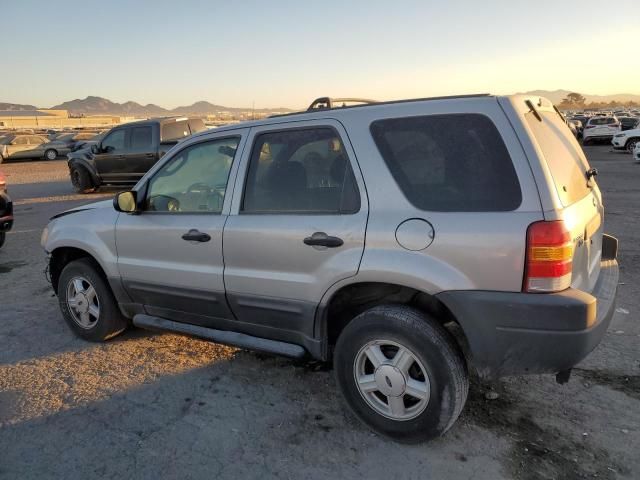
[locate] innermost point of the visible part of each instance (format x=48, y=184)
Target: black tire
x=110, y=321
x=585, y=141
x=631, y=144
x=3, y=237
x=431, y=344
x=50, y=154
x=81, y=180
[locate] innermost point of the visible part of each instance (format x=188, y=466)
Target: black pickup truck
x=6, y=210
x=127, y=152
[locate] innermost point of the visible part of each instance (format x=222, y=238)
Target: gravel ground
x=164, y=406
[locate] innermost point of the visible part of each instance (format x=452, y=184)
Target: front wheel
x=87, y=304
x=631, y=144
x=50, y=154
x=81, y=180
x=401, y=373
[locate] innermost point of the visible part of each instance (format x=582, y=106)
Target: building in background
x=42, y=118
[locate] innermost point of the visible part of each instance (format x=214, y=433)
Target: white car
x=600, y=128
x=636, y=153
x=627, y=139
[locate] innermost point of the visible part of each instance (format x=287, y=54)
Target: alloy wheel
x=392, y=380
x=83, y=302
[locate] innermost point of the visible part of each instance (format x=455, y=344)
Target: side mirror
x=126, y=202
x=95, y=148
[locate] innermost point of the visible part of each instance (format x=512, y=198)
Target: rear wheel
x=81, y=180
x=3, y=237
x=631, y=144
x=87, y=304
x=50, y=154
x=401, y=373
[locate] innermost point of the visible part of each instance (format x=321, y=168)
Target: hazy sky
x=285, y=53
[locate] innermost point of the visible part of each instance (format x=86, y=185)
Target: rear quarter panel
x=470, y=250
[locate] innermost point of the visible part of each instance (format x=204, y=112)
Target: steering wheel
x=199, y=187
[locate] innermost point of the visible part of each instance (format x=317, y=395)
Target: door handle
x=321, y=239
x=150, y=155
x=195, y=235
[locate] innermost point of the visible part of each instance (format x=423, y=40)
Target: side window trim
x=244, y=182
x=144, y=187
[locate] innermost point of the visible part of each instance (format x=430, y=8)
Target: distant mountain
x=556, y=96
x=101, y=106
x=15, y=106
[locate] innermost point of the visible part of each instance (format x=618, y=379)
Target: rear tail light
x=589, y=126
x=548, y=259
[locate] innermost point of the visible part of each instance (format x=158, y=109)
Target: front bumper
x=518, y=333
x=6, y=212
x=619, y=143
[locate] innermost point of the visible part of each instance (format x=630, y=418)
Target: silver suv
x=404, y=241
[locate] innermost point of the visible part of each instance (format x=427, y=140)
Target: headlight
x=44, y=237
x=620, y=135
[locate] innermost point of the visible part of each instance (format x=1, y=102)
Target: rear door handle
x=321, y=239
x=150, y=155
x=195, y=235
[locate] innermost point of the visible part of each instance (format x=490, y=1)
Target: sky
x=286, y=53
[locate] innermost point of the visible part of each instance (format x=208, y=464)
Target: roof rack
x=323, y=103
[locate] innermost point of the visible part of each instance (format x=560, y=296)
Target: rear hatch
x=580, y=199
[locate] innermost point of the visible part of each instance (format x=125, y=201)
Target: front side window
x=20, y=141
x=449, y=163
x=115, y=141
x=300, y=171
x=194, y=180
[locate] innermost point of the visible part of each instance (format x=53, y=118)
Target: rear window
x=449, y=163
x=602, y=121
x=563, y=155
x=175, y=130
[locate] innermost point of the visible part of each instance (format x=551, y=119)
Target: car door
x=110, y=160
x=19, y=147
x=36, y=146
x=143, y=152
x=170, y=254
x=297, y=225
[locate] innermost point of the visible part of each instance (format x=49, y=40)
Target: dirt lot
x=163, y=406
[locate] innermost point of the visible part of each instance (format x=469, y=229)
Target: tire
x=81, y=180
x=3, y=237
x=585, y=141
x=82, y=287
x=631, y=144
x=443, y=385
x=50, y=154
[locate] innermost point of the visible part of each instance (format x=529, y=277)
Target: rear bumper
x=518, y=333
x=6, y=212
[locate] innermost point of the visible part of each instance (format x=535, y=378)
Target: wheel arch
x=88, y=166
x=62, y=256
x=343, y=304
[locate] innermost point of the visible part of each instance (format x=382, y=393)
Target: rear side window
x=449, y=163
x=564, y=157
x=141, y=138
x=300, y=171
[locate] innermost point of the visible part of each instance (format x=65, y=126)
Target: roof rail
x=328, y=102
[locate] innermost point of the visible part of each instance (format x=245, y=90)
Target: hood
x=92, y=206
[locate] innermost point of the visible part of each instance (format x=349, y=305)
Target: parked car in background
x=22, y=146
x=626, y=140
x=403, y=241
x=127, y=152
x=6, y=210
x=627, y=123
x=600, y=128
x=82, y=144
x=65, y=143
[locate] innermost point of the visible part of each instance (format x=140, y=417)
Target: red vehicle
x=6, y=210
